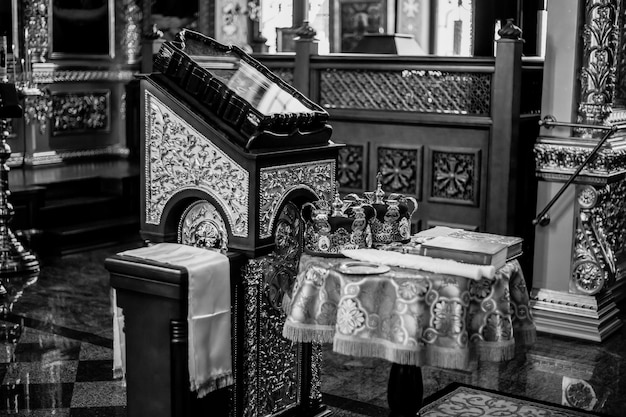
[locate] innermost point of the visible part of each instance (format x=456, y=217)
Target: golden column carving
x=36, y=29
x=599, y=60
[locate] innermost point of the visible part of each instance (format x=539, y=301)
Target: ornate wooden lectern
x=230, y=153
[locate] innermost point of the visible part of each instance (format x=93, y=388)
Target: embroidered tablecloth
x=408, y=316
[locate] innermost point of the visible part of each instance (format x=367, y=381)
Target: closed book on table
x=465, y=250
x=513, y=243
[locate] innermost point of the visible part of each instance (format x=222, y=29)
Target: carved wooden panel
x=79, y=112
x=400, y=167
x=406, y=90
x=455, y=175
x=351, y=168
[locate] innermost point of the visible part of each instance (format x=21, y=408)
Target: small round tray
x=362, y=268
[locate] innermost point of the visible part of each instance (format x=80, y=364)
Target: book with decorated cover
x=465, y=250
x=513, y=243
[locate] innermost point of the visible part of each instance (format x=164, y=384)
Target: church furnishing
x=228, y=174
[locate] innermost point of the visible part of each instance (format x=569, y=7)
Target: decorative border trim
x=551, y=158
x=47, y=74
x=559, y=301
x=278, y=181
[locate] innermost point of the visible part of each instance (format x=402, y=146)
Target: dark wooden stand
x=154, y=299
x=405, y=390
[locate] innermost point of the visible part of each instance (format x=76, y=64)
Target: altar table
x=410, y=317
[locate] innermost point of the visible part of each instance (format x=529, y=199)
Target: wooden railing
x=455, y=132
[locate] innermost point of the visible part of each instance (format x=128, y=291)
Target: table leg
x=405, y=390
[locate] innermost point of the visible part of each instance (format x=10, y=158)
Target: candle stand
x=19, y=267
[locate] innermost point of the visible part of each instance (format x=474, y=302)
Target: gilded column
x=131, y=17
x=579, y=257
x=598, y=71
x=36, y=29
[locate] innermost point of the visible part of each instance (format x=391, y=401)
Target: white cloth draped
x=425, y=263
x=209, y=311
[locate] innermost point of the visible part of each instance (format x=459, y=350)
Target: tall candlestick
x=30, y=69
x=27, y=67
x=14, y=68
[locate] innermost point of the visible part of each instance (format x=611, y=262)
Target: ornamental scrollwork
x=555, y=158
x=597, y=77
x=614, y=217
x=178, y=157
x=79, y=112
x=288, y=235
x=270, y=361
x=276, y=182
x=37, y=107
x=594, y=264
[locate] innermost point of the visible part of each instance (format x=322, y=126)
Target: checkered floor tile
x=46, y=373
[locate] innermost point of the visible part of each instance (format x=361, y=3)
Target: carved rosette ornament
x=594, y=263
x=597, y=77
x=178, y=157
x=277, y=182
x=202, y=226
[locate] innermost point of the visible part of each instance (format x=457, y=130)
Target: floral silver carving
x=131, y=17
x=202, y=226
x=593, y=261
x=37, y=107
x=288, y=235
x=270, y=364
x=36, y=29
x=80, y=112
x=597, y=75
x=425, y=91
x=565, y=159
x=613, y=213
x=316, y=373
x=276, y=182
x=178, y=157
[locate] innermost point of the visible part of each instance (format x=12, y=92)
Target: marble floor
x=60, y=364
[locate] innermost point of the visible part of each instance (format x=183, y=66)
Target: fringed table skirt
x=409, y=316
